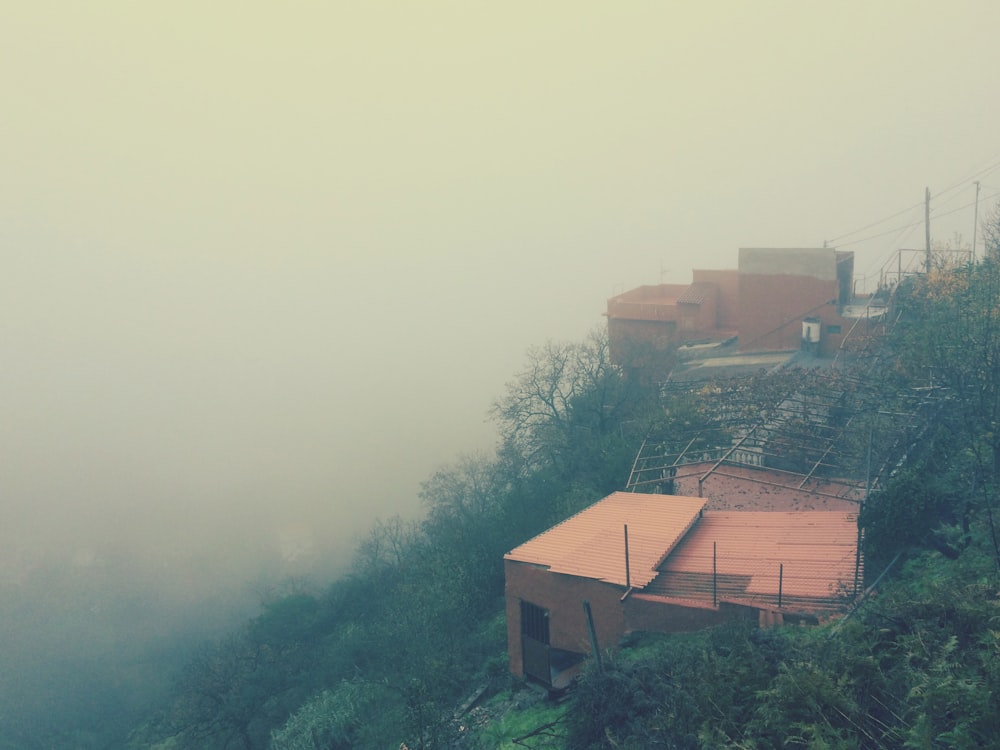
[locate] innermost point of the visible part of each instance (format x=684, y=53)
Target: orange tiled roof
x=591, y=544
x=814, y=551
x=695, y=294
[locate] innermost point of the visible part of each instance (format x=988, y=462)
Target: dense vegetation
x=389, y=652
x=917, y=665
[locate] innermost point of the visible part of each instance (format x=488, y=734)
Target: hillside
x=410, y=646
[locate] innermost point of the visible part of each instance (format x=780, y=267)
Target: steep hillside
x=410, y=647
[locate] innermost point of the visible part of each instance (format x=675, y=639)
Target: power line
x=917, y=223
x=994, y=165
x=875, y=224
x=984, y=170
x=883, y=234
x=981, y=172
x=941, y=203
x=892, y=248
x=966, y=205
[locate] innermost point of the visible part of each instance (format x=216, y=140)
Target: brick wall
x=646, y=614
x=728, y=298
x=563, y=596
x=772, y=307
x=642, y=345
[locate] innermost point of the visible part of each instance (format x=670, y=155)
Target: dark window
x=833, y=329
x=535, y=622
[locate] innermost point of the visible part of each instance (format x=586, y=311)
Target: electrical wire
x=984, y=170
x=882, y=234
x=969, y=183
x=965, y=205
x=875, y=224
x=891, y=250
x=991, y=167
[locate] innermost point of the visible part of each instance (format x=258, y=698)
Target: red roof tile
x=814, y=552
x=695, y=294
x=591, y=544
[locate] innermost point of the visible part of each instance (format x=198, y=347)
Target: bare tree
x=566, y=393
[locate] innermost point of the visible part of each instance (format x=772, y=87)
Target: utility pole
x=975, y=223
x=927, y=228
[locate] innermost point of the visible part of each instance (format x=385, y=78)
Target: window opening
x=535, y=622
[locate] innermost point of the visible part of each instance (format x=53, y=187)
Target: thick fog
x=265, y=266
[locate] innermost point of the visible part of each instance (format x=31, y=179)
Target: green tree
x=948, y=340
x=236, y=690
x=335, y=719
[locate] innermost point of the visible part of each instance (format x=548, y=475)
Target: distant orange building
x=780, y=289
x=779, y=299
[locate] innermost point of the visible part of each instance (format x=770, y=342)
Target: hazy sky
x=265, y=265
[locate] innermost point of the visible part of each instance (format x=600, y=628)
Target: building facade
x=778, y=299
x=665, y=563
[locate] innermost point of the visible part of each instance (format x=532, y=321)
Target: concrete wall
x=820, y=263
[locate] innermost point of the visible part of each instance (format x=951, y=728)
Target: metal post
x=975, y=223
x=927, y=228
x=781, y=577
x=864, y=505
x=593, y=635
x=715, y=577
x=628, y=575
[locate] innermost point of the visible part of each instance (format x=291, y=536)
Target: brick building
x=780, y=289
x=778, y=299
x=668, y=563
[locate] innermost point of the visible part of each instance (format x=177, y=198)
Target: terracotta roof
x=695, y=294
x=813, y=551
x=591, y=544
